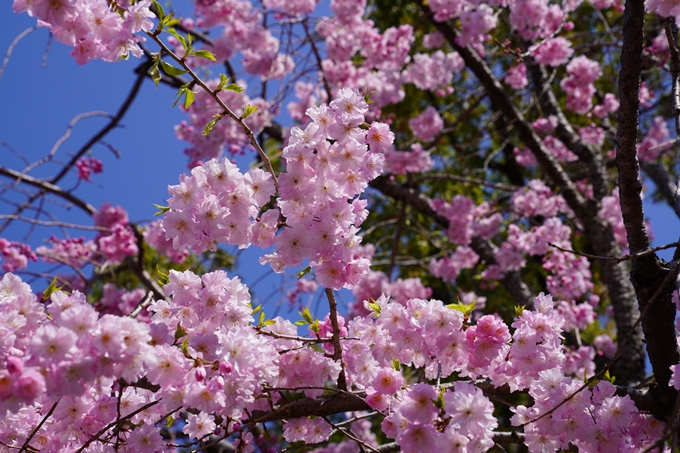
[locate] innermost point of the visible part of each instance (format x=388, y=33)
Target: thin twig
x=37, y=428
x=226, y=110
x=613, y=258
x=114, y=423
x=10, y=49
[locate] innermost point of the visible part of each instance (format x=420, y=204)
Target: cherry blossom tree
x=472, y=171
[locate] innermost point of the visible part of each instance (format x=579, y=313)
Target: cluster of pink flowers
x=302, y=286
x=92, y=27
x=154, y=235
x=75, y=252
x=466, y=219
x=87, y=166
x=611, y=212
x=578, y=85
x=120, y=242
x=516, y=76
x=327, y=164
x=200, y=349
x=217, y=203
x=554, y=51
x=652, y=145
x=427, y=125
x=15, y=255
x=535, y=18
x=433, y=72
x=592, y=420
x=475, y=23
x=609, y=106
x=403, y=162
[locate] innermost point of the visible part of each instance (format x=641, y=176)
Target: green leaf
x=203, y=54
x=169, y=22
x=262, y=318
x=179, y=37
x=234, y=87
x=367, y=96
x=315, y=326
x=171, y=70
x=439, y=402
x=211, y=125
x=301, y=322
x=188, y=98
x=375, y=307
x=248, y=110
x=268, y=322
x=396, y=364
x=256, y=310
x=466, y=309
x=303, y=272
x=169, y=421
x=519, y=309
x=155, y=73
x=608, y=377
x=161, y=209
x=163, y=280
x=51, y=289
x=185, y=347
x=306, y=315
x=159, y=8
x=179, y=332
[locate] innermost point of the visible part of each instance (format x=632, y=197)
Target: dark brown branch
x=337, y=348
x=48, y=187
x=25, y=446
x=342, y=402
x=649, y=274
x=565, y=133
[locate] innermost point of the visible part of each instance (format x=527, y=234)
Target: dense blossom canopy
x=468, y=169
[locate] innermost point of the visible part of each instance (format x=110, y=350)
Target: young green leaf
x=211, y=125
x=179, y=37
x=169, y=421
x=159, y=9
x=161, y=210
x=261, y=319
x=203, y=54
x=155, y=73
x=179, y=332
x=257, y=309
x=50, y=290
x=306, y=315
x=188, y=98
x=171, y=70
x=303, y=272
x=248, y=110
x=234, y=87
